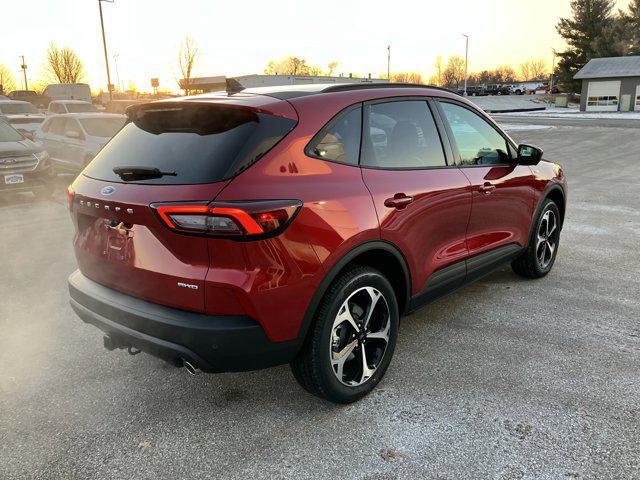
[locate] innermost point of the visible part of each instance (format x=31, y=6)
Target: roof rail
x=357, y=86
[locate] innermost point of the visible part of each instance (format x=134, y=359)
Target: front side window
x=57, y=126
x=401, y=135
x=477, y=141
x=339, y=141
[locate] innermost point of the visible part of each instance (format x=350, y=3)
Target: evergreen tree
x=590, y=32
x=630, y=22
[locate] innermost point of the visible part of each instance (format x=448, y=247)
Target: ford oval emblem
x=108, y=190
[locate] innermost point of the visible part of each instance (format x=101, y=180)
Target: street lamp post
x=104, y=43
x=389, y=63
x=553, y=67
x=466, y=62
x=115, y=60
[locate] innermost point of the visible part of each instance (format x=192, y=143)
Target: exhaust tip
x=191, y=370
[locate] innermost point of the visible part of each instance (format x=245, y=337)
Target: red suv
x=237, y=231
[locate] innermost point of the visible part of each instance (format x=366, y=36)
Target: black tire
x=529, y=263
x=313, y=367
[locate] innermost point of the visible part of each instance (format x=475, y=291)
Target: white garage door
x=603, y=96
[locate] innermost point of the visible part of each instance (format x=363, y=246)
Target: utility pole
x=466, y=62
x=389, y=63
x=23, y=66
x=104, y=43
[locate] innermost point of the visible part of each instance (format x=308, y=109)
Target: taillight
x=70, y=195
x=239, y=220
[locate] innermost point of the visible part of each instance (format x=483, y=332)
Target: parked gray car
x=24, y=165
x=23, y=116
x=73, y=139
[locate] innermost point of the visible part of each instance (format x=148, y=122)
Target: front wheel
x=540, y=255
x=351, y=343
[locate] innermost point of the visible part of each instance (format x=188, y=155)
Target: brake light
x=240, y=220
x=70, y=194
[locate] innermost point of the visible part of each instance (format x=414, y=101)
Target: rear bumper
x=213, y=344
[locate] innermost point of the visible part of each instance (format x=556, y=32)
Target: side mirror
x=529, y=155
x=72, y=134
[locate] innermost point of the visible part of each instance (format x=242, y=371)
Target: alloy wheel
x=359, y=336
x=547, y=239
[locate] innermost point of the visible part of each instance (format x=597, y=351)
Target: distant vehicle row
x=61, y=143
x=528, y=88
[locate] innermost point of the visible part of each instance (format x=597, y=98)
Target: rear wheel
x=351, y=343
x=539, y=256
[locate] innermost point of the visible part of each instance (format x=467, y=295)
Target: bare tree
x=406, y=77
x=187, y=56
x=504, y=74
x=63, y=65
x=437, y=78
x=453, y=74
x=7, y=81
x=533, y=69
x=292, y=66
x=332, y=67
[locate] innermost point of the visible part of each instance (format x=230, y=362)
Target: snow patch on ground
x=575, y=113
x=516, y=127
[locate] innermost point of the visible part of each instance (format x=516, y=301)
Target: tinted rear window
x=201, y=143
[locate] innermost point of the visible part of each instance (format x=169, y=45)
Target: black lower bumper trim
x=213, y=344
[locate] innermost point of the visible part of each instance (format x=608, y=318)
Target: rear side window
x=339, y=141
x=72, y=127
x=401, y=135
x=200, y=143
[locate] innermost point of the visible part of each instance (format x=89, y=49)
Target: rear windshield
x=102, y=127
x=17, y=108
x=81, y=107
x=200, y=143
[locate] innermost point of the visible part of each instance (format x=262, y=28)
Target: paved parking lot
x=507, y=378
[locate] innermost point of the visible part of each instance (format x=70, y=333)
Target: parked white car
x=73, y=139
x=70, y=106
x=23, y=116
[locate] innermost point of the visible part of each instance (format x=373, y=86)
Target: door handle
x=487, y=188
x=399, y=201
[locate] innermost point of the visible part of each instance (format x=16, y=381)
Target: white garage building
x=610, y=85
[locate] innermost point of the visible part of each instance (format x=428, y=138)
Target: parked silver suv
x=73, y=139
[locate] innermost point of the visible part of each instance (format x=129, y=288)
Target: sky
x=241, y=37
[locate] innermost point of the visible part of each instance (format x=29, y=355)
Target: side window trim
x=308, y=150
x=452, y=139
x=446, y=149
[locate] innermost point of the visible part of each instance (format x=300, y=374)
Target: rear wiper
x=140, y=173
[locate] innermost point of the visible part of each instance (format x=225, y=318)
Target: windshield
x=8, y=134
x=81, y=107
x=10, y=108
x=102, y=127
x=202, y=144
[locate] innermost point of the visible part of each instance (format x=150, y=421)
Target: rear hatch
x=178, y=151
